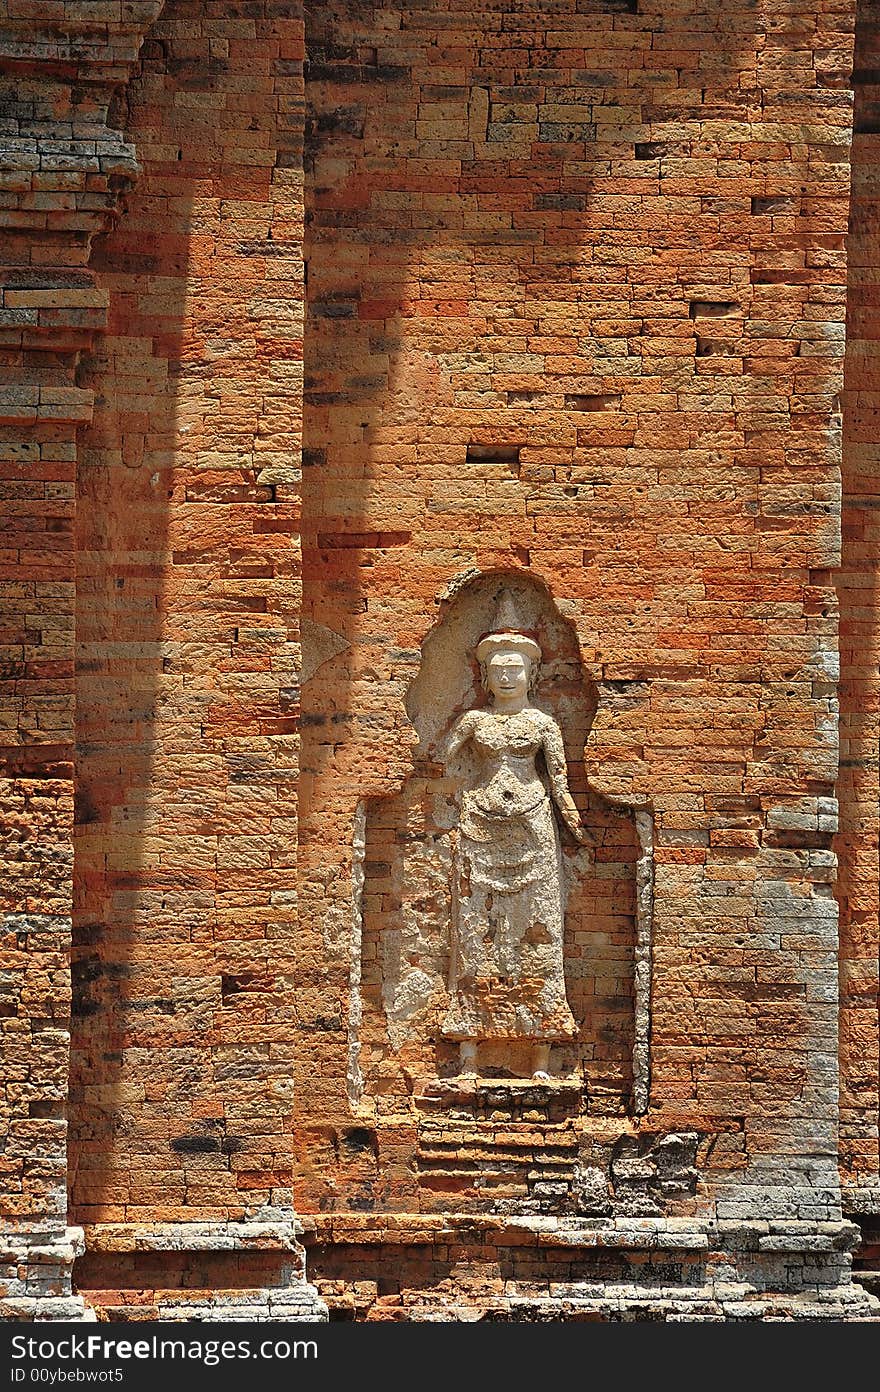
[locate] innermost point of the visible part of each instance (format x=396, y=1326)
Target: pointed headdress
x=506, y=633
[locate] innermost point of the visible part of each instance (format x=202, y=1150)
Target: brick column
x=63, y=167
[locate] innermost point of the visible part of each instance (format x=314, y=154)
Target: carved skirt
x=507, y=978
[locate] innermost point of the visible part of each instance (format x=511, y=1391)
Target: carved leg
x=468, y=1052
x=541, y=1062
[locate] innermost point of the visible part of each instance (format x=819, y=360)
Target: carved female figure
x=507, y=980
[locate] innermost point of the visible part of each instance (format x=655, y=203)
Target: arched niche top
x=448, y=680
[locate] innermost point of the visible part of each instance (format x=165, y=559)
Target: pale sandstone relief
x=553, y=990
x=507, y=978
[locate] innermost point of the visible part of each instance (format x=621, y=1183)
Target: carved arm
x=554, y=757
x=461, y=733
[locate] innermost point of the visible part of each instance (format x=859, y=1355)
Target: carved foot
x=468, y=1055
x=541, y=1063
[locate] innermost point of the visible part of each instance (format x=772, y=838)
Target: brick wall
x=858, y=787
x=188, y=607
x=577, y=285
x=63, y=167
x=576, y=310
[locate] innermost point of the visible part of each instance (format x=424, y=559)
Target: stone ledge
x=529, y=1099
x=193, y=1237
x=632, y=1304
x=401, y=1230
x=861, y=1199
x=67, y=1308
x=683, y=1234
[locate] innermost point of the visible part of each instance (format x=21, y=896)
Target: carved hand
x=580, y=833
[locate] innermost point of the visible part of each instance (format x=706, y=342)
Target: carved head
x=509, y=660
x=509, y=663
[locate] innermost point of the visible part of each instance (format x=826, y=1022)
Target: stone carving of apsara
x=507, y=980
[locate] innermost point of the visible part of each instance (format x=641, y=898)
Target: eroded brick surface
x=577, y=315
x=63, y=167
x=859, y=787
x=188, y=612
x=586, y=320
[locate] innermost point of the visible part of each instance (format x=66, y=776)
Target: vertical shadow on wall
x=187, y=610
x=125, y=483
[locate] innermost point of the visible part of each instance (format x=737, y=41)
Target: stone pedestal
x=199, y=1271
x=36, y=1270
x=539, y=1269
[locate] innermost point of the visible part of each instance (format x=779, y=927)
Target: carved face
x=507, y=674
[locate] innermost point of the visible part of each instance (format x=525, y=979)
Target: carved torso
x=508, y=980
x=506, y=746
